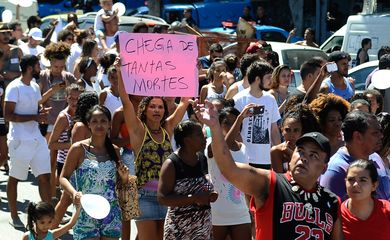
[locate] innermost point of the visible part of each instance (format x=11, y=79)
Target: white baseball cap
x=36, y=34
x=381, y=79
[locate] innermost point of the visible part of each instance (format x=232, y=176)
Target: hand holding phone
x=257, y=110
x=331, y=67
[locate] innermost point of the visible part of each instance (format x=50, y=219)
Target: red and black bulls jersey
x=292, y=213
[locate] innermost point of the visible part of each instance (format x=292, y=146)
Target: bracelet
x=190, y=196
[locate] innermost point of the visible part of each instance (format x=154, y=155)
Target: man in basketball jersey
x=286, y=206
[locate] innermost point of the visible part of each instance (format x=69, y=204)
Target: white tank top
x=112, y=102
x=88, y=88
x=211, y=94
x=230, y=207
x=240, y=87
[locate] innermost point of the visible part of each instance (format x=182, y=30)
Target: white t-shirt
x=32, y=51
x=37, y=51
x=26, y=98
x=98, y=24
x=75, y=53
x=256, y=131
x=230, y=207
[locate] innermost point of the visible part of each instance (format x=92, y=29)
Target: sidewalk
x=27, y=191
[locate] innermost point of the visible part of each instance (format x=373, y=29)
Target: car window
x=272, y=36
x=126, y=27
x=295, y=57
x=334, y=44
x=46, y=23
x=360, y=77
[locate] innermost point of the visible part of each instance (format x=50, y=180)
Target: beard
x=261, y=86
x=35, y=75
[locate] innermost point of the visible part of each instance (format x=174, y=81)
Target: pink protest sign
x=159, y=64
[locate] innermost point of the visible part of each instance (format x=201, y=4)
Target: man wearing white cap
x=34, y=39
x=381, y=80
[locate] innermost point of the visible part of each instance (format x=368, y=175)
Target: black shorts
x=3, y=127
x=60, y=166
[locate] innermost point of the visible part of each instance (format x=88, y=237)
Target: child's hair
x=183, y=130
x=36, y=211
x=227, y=111
x=369, y=166
x=74, y=87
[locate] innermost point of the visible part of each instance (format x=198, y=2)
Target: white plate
x=95, y=205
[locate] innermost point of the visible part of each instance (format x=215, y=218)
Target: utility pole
x=370, y=6
x=155, y=7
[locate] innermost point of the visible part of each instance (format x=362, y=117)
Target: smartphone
x=258, y=110
x=331, y=67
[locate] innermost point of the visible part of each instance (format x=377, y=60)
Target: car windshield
x=295, y=57
x=272, y=36
x=360, y=77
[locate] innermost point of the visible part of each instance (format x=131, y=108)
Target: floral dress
x=97, y=175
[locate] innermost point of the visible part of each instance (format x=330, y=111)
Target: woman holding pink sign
x=150, y=132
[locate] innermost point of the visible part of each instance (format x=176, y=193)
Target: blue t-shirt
x=334, y=177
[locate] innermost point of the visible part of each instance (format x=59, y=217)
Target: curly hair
x=325, y=103
x=58, y=51
x=143, y=105
x=276, y=74
x=384, y=120
x=85, y=102
x=305, y=115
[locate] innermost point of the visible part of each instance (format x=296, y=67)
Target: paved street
x=27, y=191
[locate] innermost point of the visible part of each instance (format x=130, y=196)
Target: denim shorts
x=128, y=159
x=149, y=207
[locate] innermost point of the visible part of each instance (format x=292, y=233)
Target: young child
x=105, y=14
x=40, y=219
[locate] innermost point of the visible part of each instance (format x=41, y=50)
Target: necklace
x=156, y=131
x=306, y=196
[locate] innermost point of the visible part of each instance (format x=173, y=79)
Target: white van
x=373, y=26
x=335, y=41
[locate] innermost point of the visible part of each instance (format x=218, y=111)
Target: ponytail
x=111, y=150
x=31, y=217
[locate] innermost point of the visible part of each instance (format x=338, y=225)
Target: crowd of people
x=246, y=158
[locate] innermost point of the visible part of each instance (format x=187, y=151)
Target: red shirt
x=376, y=226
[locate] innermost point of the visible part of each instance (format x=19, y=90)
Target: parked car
x=263, y=32
x=126, y=23
x=360, y=74
x=207, y=14
x=291, y=55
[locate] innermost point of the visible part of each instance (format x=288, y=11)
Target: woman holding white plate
x=91, y=167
